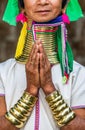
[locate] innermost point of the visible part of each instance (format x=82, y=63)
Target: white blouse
x=13, y=84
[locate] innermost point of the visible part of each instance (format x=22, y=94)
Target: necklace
x=47, y=35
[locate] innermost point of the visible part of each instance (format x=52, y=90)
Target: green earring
x=11, y=12
x=73, y=10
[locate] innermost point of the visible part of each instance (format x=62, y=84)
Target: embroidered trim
x=77, y=107
x=37, y=115
x=2, y=94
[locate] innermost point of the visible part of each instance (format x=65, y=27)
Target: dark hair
x=22, y=3
x=64, y=2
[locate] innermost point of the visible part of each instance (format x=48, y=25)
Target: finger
x=35, y=60
x=44, y=53
x=32, y=51
x=47, y=63
x=34, y=56
x=42, y=61
x=36, y=63
x=42, y=49
x=45, y=58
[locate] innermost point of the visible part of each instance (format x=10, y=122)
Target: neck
x=47, y=35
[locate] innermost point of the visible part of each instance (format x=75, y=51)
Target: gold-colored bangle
x=56, y=104
x=24, y=105
x=67, y=118
x=28, y=96
x=61, y=113
x=52, y=96
x=14, y=120
x=22, y=110
x=18, y=115
x=57, y=99
x=60, y=110
x=28, y=102
x=61, y=107
x=28, y=99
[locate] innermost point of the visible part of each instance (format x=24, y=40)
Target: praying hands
x=38, y=71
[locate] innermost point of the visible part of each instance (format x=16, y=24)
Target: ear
x=64, y=10
x=22, y=10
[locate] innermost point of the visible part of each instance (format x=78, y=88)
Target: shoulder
x=11, y=69
x=6, y=65
x=9, y=66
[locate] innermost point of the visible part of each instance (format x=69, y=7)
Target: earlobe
x=64, y=10
x=22, y=10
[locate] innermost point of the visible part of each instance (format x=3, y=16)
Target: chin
x=43, y=19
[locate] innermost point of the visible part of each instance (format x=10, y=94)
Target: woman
x=31, y=84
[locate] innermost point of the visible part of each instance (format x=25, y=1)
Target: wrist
x=32, y=90
x=49, y=88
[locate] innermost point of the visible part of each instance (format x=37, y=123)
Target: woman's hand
x=32, y=71
x=45, y=72
x=38, y=71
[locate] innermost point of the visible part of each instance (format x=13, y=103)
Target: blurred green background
x=9, y=36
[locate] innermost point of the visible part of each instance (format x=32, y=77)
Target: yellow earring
x=21, y=40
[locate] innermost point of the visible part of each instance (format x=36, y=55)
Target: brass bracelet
x=62, y=113
x=18, y=115
x=52, y=96
x=22, y=110
x=59, y=98
x=28, y=99
x=66, y=119
x=24, y=105
x=56, y=104
x=28, y=102
x=14, y=120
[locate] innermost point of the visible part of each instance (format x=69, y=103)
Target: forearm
x=76, y=124
x=6, y=125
